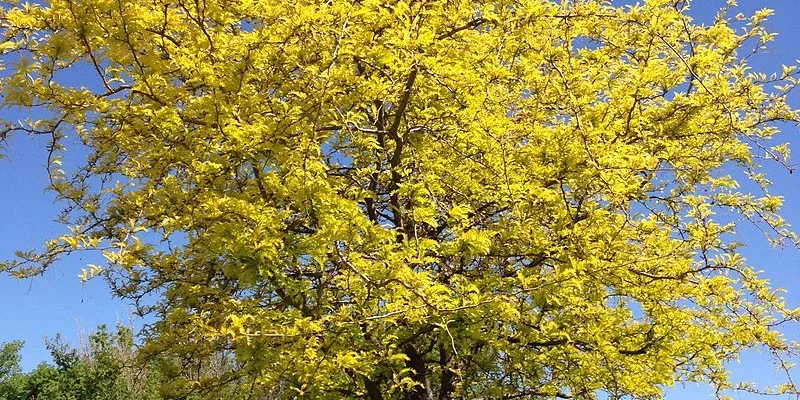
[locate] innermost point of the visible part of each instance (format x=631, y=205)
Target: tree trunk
x=447, y=388
x=422, y=391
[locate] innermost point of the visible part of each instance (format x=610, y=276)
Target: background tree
x=9, y=369
x=102, y=372
x=107, y=369
x=9, y=359
x=415, y=199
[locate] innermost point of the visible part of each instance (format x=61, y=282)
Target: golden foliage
x=468, y=199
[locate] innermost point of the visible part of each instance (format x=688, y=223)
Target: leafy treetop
x=415, y=198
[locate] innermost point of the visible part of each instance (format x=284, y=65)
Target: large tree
x=414, y=198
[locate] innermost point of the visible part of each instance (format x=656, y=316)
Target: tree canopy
x=415, y=199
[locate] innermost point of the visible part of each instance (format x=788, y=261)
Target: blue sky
x=59, y=303
x=780, y=265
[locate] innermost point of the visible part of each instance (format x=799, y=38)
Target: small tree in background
x=107, y=369
x=414, y=199
x=99, y=374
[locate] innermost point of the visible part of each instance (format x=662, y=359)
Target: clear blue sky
x=781, y=266
x=59, y=303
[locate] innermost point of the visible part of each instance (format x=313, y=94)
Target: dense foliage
x=414, y=198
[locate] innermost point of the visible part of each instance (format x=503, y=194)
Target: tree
x=9, y=359
x=106, y=368
x=415, y=199
x=9, y=369
x=99, y=374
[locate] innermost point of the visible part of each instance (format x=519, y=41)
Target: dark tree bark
x=416, y=362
